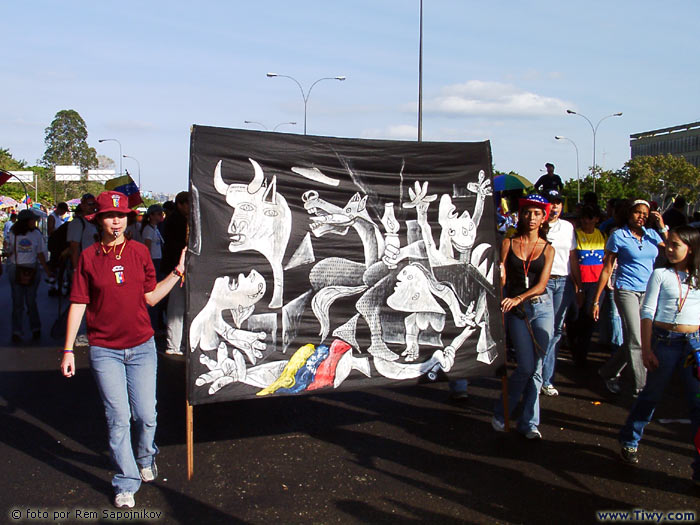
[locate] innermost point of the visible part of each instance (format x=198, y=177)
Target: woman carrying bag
x=526, y=262
x=25, y=250
x=114, y=283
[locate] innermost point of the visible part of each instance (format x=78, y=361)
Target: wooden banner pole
x=190, y=440
x=504, y=377
x=504, y=392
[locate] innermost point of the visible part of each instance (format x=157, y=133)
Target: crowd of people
x=162, y=229
x=623, y=273
x=627, y=275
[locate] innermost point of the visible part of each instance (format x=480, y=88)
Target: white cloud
x=399, y=132
x=483, y=98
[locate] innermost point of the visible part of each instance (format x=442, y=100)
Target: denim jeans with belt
x=671, y=349
x=126, y=380
x=629, y=304
x=560, y=289
x=526, y=379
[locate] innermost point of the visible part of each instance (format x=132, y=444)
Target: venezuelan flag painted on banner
x=126, y=185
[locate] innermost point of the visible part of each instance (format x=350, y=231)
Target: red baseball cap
x=111, y=201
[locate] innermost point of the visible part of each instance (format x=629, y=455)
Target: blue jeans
x=23, y=296
x=526, y=379
x=458, y=385
x=561, y=292
x=671, y=349
x=611, y=326
x=126, y=380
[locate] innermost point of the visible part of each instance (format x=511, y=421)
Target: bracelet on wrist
x=178, y=273
x=67, y=350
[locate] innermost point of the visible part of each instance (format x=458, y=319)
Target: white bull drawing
x=261, y=221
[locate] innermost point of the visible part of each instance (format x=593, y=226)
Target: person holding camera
x=526, y=262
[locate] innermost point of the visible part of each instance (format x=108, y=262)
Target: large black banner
x=323, y=263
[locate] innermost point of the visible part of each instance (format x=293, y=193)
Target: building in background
x=683, y=140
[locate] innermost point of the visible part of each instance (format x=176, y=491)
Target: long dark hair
x=691, y=238
x=521, y=227
x=21, y=227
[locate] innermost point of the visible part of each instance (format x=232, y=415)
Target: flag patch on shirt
x=118, y=274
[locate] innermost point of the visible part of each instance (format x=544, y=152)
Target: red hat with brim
x=111, y=201
x=536, y=201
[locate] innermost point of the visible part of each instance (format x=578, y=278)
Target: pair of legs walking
x=561, y=292
x=526, y=379
x=126, y=380
x=671, y=349
x=629, y=304
x=23, y=296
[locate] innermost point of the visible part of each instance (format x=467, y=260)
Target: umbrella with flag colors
x=510, y=181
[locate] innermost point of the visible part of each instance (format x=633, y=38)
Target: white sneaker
x=171, y=351
x=549, y=391
x=149, y=473
x=124, y=500
x=533, y=433
x=498, y=426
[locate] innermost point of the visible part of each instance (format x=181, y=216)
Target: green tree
x=66, y=144
x=16, y=190
x=608, y=184
x=661, y=175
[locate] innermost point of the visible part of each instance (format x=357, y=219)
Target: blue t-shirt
x=635, y=258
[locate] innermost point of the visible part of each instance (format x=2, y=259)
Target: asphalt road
x=403, y=455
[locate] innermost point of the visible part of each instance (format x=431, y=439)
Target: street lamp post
x=282, y=124
x=305, y=96
x=138, y=164
x=578, y=175
x=120, y=151
x=256, y=122
x=595, y=130
x=265, y=127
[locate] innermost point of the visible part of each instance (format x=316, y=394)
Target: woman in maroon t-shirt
x=114, y=283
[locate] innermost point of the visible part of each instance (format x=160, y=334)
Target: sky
x=503, y=71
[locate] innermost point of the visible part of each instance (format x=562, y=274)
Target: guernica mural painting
x=320, y=264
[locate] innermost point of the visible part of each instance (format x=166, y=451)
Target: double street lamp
x=266, y=128
x=595, y=130
x=120, y=151
x=578, y=175
x=305, y=96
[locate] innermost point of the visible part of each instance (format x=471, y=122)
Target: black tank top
x=515, y=272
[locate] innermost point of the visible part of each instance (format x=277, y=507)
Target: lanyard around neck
x=681, y=299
